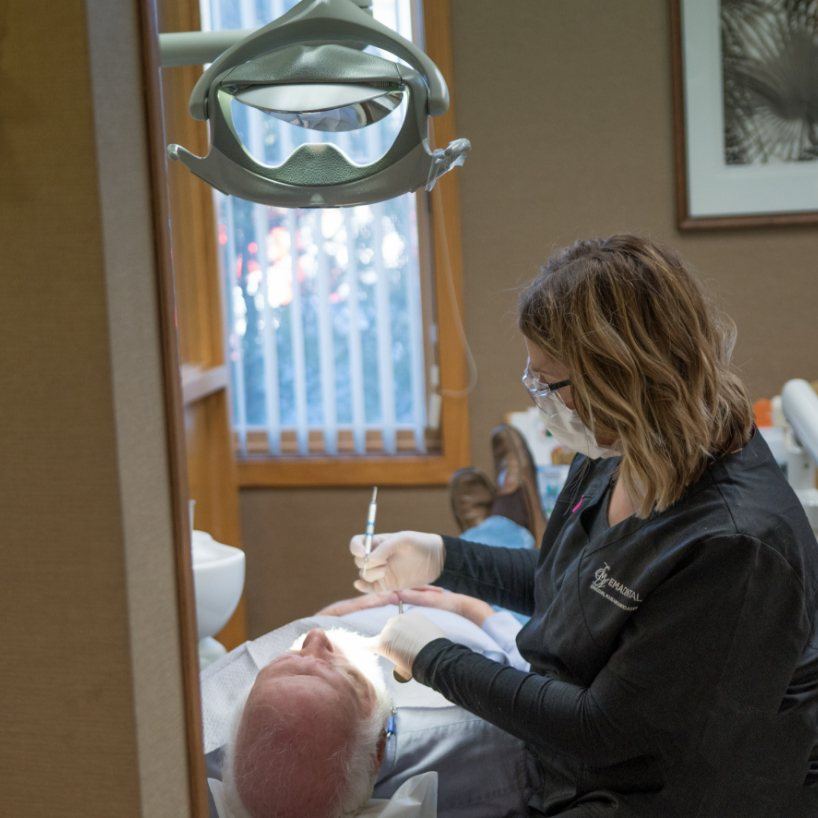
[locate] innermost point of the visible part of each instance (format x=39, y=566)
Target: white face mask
x=570, y=431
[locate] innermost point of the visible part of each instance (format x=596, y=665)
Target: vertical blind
x=324, y=315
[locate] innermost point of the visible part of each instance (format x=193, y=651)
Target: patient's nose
x=316, y=643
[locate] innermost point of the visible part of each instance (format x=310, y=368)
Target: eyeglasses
x=537, y=387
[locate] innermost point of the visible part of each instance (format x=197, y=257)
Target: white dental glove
x=403, y=560
x=402, y=639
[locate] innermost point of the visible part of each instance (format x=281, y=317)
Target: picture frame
x=744, y=83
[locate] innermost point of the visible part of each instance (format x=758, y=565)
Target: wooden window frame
x=407, y=469
x=211, y=478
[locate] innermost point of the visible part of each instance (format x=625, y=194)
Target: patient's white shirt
x=483, y=772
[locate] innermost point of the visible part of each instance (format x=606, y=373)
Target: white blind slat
x=356, y=370
x=236, y=355
x=325, y=351
x=418, y=372
x=261, y=230
x=296, y=314
x=384, y=334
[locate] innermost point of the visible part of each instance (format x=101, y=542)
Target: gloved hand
x=397, y=561
x=403, y=637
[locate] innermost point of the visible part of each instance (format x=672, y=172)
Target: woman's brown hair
x=649, y=360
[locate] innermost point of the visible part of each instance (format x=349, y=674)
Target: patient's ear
x=380, y=750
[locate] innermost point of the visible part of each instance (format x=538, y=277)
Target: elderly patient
x=311, y=737
x=323, y=725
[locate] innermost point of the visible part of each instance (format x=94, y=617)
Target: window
x=332, y=315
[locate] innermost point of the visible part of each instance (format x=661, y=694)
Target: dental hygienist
x=672, y=640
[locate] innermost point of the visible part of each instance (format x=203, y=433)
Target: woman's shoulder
x=744, y=499
x=753, y=491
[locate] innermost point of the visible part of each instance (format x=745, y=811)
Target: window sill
x=341, y=471
x=200, y=382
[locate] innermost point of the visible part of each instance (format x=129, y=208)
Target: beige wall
x=92, y=708
x=568, y=108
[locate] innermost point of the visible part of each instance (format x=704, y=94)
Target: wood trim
x=258, y=446
x=198, y=383
x=210, y=460
x=728, y=222
x=448, y=256
x=684, y=220
x=328, y=472
x=193, y=222
x=188, y=641
x=347, y=468
x=677, y=94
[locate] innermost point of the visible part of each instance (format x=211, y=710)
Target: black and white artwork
x=770, y=80
x=746, y=111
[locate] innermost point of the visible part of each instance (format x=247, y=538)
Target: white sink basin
x=218, y=574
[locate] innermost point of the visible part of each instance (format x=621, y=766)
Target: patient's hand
x=426, y=596
x=429, y=596
x=359, y=603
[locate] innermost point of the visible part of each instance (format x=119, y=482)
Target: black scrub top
x=674, y=659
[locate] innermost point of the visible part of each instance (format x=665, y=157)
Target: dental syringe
x=369, y=533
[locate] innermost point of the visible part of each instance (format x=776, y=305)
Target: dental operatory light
x=309, y=68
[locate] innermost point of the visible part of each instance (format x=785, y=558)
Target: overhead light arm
x=197, y=47
x=201, y=47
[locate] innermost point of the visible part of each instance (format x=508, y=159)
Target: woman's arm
x=500, y=576
x=505, y=576
x=706, y=658
x=359, y=603
x=501, y=626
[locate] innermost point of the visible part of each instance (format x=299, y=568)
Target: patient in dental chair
x=306, y=722
x=325, y=727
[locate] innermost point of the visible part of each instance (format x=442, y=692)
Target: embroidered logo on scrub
x=603, y=583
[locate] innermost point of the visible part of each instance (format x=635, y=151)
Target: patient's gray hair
x=353, y=765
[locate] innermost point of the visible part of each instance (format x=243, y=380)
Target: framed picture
x=745, y=87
